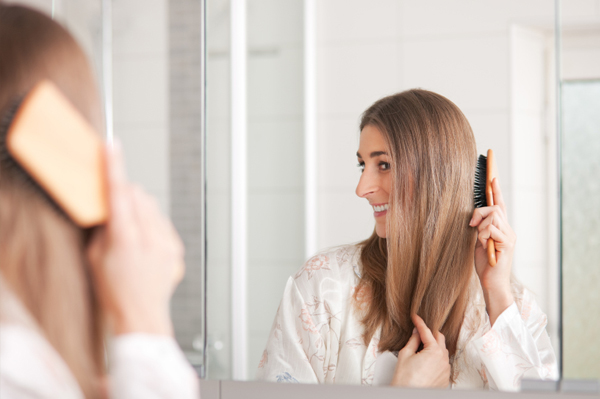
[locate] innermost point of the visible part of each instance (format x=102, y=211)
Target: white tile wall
x=276, y=222
x=217, y=86
x=344, y=218
x=529, y=112
x=281, y=25
x=350, y=77
x=337, y=145
x=471, y=71
x=528, y=152
x=140, y=30
x=140, y=90
x=275, y=154
x=357, y=21
x=218, y=220
x=468, y=18
x=275, y=84
x=147, y=159
x=218, y=162
x=581, y=54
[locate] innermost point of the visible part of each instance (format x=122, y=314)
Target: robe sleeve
x=150, y=367
x=518, y=346
x=304, y=341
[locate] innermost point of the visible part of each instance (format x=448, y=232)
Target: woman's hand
x=491, y=221
x=430, y=368
x=136, y=259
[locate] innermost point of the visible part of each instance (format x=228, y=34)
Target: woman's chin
x=380, y=231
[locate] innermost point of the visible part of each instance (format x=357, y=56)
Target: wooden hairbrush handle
x=489, y=195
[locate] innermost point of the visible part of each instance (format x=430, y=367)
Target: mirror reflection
x=312, y=70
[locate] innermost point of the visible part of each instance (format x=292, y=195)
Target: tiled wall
x=185, y=155
x=141, y=92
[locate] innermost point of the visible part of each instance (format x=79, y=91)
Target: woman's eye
x=361, y=166
x=384, y=165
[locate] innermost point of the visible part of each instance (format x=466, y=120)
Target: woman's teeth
x=381, y=208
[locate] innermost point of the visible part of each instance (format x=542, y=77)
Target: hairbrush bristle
x=10, y=166
x=480, y=180
x=6, y=118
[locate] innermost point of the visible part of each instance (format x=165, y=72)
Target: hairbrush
x=58, y=149
x=484, y=175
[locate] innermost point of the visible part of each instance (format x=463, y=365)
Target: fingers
x=413, y=343
x=498, y=198
x=481, y=214
x=440, y=339
x=495, y=233
x=424, y=331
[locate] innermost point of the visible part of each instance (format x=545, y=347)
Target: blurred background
x=270, y=92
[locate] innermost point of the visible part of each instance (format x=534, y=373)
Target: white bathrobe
x=141, y=365
x=317, y=335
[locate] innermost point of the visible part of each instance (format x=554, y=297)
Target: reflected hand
x=491, y=221
x=430, y=368
x=136, y=259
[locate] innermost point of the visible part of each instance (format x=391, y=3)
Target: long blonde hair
x=42, y=251
x=425, y=264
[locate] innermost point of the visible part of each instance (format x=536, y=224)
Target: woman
x=63, y=288
x=421, y=278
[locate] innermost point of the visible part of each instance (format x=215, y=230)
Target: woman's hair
x=425, y=264
x=42, y=251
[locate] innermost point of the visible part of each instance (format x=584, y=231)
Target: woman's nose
x=367, y=184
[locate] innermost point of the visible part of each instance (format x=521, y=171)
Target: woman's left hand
x=491, y=221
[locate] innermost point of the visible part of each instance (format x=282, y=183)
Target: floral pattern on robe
x=317, y=334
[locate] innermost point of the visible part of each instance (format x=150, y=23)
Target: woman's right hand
x=136, y=258
x=429, y=368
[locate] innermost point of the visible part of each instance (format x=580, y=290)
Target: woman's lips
x=380, y=209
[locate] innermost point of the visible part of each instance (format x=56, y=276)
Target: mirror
x=580, y=88
x=312, y=67
x=286, y=82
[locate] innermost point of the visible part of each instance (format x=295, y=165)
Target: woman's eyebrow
x=374, y=154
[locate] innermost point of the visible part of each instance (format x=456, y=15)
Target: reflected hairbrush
x=58, y=149
x=484, y=175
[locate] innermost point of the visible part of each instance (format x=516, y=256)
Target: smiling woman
x=421, y=278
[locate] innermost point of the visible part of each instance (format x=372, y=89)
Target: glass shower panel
x=581, y=228
x=275, y=161
x=218, y=189
x=274, y=170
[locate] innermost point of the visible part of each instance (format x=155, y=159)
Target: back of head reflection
x=64, y=288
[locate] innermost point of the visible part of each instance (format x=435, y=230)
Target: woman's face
x=375, y=182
